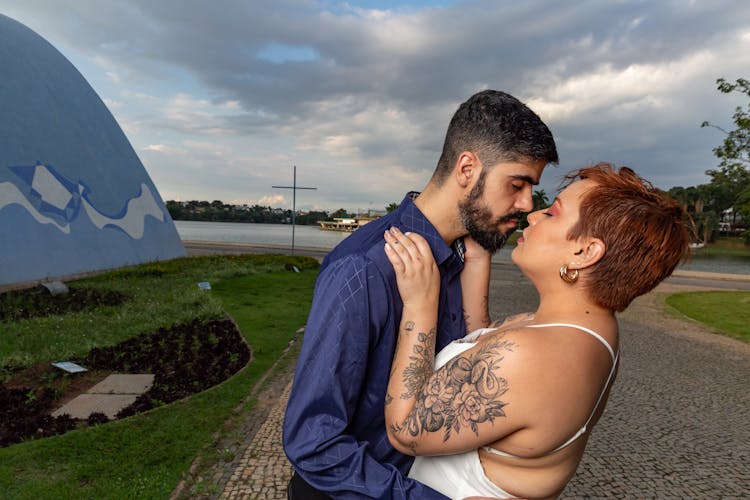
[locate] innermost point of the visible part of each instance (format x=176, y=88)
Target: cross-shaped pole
x=294, y=189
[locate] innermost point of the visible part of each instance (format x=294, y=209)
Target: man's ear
x=467, y=169
x=592, y=251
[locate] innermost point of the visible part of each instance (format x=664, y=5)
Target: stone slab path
x=109, y=396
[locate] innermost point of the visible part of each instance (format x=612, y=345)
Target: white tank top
x=461, y=475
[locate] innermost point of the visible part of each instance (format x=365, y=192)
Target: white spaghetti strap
x=583, y=329
x=582, y=430
x=473, y=336
x=499, y=453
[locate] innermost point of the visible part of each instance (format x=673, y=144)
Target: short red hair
x=643, y=231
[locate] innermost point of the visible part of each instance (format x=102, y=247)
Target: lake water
x=312, y=236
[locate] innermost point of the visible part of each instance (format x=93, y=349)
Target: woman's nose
x=533, y=217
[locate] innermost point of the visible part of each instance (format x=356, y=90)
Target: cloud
x=274, y=201
x=224, y=100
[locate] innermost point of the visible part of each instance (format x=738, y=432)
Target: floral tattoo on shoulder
x=464, y=393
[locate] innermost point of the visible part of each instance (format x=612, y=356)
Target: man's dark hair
x=496, y=127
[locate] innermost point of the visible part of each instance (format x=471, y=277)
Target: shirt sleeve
x=328, y=383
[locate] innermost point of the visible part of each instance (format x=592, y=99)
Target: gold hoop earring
x=567, y=275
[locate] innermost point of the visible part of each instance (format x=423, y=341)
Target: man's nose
x=524, y=202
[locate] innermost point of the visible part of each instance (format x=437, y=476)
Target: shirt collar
x=413, y=218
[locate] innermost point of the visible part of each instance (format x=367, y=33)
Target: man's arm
x=330, y=379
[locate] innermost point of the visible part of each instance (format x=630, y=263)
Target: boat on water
x=344, y=224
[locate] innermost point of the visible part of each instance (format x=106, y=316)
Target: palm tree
x=540, y=200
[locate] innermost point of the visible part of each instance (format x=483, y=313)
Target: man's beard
x=477, y=219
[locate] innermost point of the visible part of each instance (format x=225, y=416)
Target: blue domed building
x=74, y=196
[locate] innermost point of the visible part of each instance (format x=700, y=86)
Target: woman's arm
x=418, y=281
x=453, y=409
x=475, y=285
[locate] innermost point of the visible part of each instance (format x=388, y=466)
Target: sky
x=220, y=99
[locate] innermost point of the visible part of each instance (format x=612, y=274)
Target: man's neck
x=441, y=210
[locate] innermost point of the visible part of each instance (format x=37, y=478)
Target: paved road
x=195, y=248
x=710, y=280
x=700, y=279
x=676, y=425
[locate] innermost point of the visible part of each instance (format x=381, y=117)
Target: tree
x=736, y=147
x=728, y=185
x=539, y=199
x=391, y=207
x=731, y=181
x=340, y=214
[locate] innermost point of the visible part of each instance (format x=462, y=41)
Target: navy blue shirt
x=334, y=427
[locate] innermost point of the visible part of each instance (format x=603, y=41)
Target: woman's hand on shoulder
x=474, y=252
x=417, y=274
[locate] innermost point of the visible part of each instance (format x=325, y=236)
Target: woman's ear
x=589, y=255
x=467, y=169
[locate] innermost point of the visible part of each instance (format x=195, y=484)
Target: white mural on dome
x=51, y=198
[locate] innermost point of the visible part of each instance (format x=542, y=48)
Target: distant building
x=345, y=224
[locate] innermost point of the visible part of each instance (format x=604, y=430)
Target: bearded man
x=495, y=150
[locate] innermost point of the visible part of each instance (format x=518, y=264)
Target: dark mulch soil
x=184, y=359
x=36, y=302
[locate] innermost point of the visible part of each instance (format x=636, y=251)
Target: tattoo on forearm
x=388, y=399
x=409, y=326
x=464, y=393
x=421, y=364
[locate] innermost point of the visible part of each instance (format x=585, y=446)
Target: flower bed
x=184, y=359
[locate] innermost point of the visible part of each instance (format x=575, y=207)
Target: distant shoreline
x=195, y=248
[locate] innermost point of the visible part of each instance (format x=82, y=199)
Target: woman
x=509, y=409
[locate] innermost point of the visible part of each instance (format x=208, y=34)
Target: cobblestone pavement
x=263, y=471
x=676, y=425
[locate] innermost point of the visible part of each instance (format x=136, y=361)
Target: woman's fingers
x=417, y=276
x=397, y=251
x=409, y=253
x=403, y=254
x=394, y=256
x=401, y=243
x=410, y=245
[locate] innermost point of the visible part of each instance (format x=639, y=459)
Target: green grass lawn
x=146, y=455
x=725, y=245
x=727, y=312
